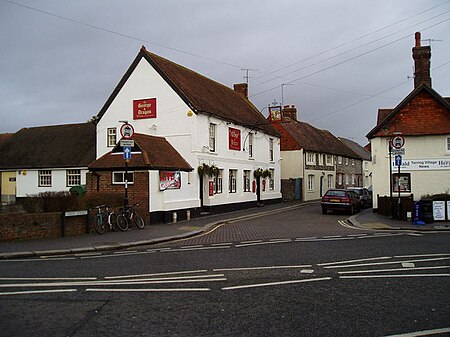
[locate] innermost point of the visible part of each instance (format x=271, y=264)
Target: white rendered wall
x=27, y=181
x=422, y=181
x=188, y=133
x=292, y=164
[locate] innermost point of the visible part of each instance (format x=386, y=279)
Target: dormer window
x=212, y=137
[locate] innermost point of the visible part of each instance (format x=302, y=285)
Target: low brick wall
x=31, y=226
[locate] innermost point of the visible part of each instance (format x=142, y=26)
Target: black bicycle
x=107, y=218
x=130, y=216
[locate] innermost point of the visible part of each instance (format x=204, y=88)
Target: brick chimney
x=290, y=111
x=241, y=88
x=421, y=56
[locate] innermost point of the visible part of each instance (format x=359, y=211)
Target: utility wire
x=350, y=50
x=120, y=34
x=349, y=59
x=351, y=41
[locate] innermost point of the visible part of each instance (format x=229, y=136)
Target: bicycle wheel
x=138, y=221
x=112, y=220
x=122, y=222
x=100, y=224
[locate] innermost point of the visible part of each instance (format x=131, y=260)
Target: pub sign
x=144, y=108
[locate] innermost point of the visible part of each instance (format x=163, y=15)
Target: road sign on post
x=398, y=160
x=127, y=153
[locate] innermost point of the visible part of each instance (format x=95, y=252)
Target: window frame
x=111, y=136
x=44, y=175
x=122, y=182
x=232, y=185
x=272, y=179
x=310, y=158
x=250, y=145
x=330, y=181
x=218, y=182
x=246, y=180
x=73, y=174
x=212, y=137
x=310, y=182
x=271, y=156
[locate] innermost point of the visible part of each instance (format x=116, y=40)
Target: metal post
x=126, y=185
x=399, y=200
x=391, y=185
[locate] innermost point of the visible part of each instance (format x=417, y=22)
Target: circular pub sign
x=127, y=131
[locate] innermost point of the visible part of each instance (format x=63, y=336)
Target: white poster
x=439, y=210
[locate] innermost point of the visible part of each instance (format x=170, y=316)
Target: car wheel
x=324, y=211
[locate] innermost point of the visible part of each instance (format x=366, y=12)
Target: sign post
x=398, y=162
x=127, y=132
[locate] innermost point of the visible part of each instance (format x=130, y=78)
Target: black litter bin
x=426, y=206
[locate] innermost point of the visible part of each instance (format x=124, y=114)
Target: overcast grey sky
x=337, y=61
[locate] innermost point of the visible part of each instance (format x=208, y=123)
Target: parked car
x=340, y=200
x=365, y=197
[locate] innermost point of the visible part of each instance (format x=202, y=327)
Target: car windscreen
x=335, y=193
x=359, y=192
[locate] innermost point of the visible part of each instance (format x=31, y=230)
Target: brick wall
x=31, y=226
x=138, y=192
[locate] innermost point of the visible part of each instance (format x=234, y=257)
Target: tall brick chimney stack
x=290, y=111
x=241, y=88
x=421, y=56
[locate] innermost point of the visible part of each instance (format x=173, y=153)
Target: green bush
x=437, y=197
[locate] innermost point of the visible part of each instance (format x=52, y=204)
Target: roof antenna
x=246, y=76
x=429, y=40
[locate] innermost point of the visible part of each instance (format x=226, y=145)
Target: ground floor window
x=246, y=181
x=73, y=177
x=330, y=181
x=232, y=181
x=404, y=183
x=272, y=179
x=311, y=182
x=45, y=178
x=118, y=177
x=218, y=182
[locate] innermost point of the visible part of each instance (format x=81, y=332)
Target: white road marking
x=390, y=262
x=326, y=239
x=261, y=243
x=222, y=244
x=362, y=234
x=39, y=260
x=414, y=234
x=276, y=283
x=422, y=333
x=389, y=270
x=125, y=251
x=379, y=236
x=37, y=292
x=88, y=254
x=48, y=278
x=254, y=241
x=307, y=271
x=192, y=249
x=113, y=255
x=395, y=276
x=307, y=238
x=358, y=260
x=261, y=268
x=422, y=255
x=281, y=240
x=196, y=246
x=408, y=265
x=157, y=274
x=148, y=290
x=332, y=236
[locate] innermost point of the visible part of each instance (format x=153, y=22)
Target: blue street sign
x=398, y=160
x=127, y=153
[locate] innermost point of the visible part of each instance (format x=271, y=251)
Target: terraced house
x=216, y=150
x=313, y=160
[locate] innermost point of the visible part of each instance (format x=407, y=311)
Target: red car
x=340, y=200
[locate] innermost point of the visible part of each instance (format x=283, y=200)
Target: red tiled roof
x=200, y=93
x=310, y=138
x=156, y=154
x=422, y=112
x=382, y=114
x=5, y=136
x=362, y=152
x=55, y=146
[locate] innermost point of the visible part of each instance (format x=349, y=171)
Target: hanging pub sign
x=234, y=139
x=275, y=114
x=169, y=180
x=144, y=108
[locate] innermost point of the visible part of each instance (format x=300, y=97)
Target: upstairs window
x=272, y=180
x=329, y=160
x=270, y=149
x=111, y=137
x=250, y=145
x=448, y=144
x=310, y=158
x=212, y=137
x=311, y=182
x=339, y=159
x=45, y=178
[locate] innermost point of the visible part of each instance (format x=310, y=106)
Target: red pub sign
x=144, y=108
x=234, y=139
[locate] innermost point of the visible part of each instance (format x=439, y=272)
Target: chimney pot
x=417, y=36
x=241, y=88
